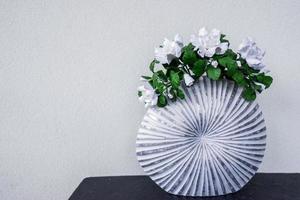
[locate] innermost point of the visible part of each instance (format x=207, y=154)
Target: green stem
x=185, y=67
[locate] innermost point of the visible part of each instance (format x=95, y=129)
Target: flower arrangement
x=207, y=54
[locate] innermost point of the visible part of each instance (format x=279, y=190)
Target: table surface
x=261, y=187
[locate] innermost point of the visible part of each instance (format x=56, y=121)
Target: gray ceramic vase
x=211, y=143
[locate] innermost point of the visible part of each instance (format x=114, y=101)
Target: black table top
x=261, y=187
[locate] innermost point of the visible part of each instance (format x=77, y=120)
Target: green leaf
x=152, y=65
x=223, y=61
x=155, y=80
x=231, y=70
x=169, y=70
x=213, y=73
x=175, y=79
x=146, y=77
x=189, y=56
x=162, y=101
x=256, y=87
x=230, y=54
x=246, y=69
x=173, y=64
x=151, y=83
x=140, y=93
x=162, y=75
x=249, y=94
x=199, y=67
x=266, y=80
x=238, y=77
x=222, y=39
x=227, y=62
x=180, y=93
x=230, y=64
x=190, y=46
x=160, y=87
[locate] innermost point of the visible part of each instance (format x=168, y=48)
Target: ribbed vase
x=211, y=143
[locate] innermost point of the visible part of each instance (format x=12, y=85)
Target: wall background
x=69, y=72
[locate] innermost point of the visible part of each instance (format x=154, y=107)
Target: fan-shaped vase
x=211, y=143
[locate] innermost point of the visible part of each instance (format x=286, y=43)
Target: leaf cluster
x=167, y=82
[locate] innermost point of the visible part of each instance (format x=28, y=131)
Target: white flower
x=188, y=80
x=178, y=39
x=148, y=94
x=169, y=94
x=169, y=50
x=251, y=53
x=214, y=63
x=209, y=44
x=239, y=64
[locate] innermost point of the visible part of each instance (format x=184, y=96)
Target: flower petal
x=203, y=32
x=188, y=80
x=222, y=48
x=251, y=53
x=178, y=39
x=210, y=52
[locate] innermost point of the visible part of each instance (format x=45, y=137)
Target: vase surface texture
x=210, y=143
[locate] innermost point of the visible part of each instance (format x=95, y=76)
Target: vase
x=210, y=143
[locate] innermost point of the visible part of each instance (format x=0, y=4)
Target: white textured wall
x=69, y=72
